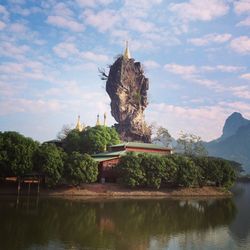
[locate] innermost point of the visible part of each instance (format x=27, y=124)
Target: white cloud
x=245, y=76
x=18, y=28
x=204, y=10
x=2, y=25
x=141, y=26
x=24, y=11
x=181, y=69
x=242, y=6
x=240, y=91
x=200, y=120
x=96, y=57
x=210, y=38
x=21, y=105
x=65, y=50
x=150, y=64
x=241, y=45
x=4, y=14
x=245, y=22
x=222, y=68
x=62, y=16
x=93, y=3
x=63, y=22
x=103, y=20
x=11, y=50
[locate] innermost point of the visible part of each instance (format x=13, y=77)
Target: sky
x=196, y=54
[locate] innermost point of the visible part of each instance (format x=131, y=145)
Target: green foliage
x=146, y=169
x=132, y=174
x=16, y=153
x=191, y=145
x=155, y=169
x=170, y=170
x=72, y=141
x=92, y=140
x=49, y=160
x=81, y=168
x=216, y=170
x=188, y=174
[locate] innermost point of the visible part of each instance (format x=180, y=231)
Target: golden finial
x=79, y=126
x=126, y=54
x=98, y=121
x=105, y=119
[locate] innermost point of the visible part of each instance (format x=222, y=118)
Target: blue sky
x=195, y=54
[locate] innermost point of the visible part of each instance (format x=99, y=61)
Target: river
x=54, y=223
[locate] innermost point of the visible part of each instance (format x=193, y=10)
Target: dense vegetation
x=177, y=170
x=92, y=140
x=68, y=162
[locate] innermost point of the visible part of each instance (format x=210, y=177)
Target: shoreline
x=117, y=191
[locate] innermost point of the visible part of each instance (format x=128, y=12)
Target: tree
x=91, y=140
x=131, y=172
x=98, y=138
x=155, y=169
x=16, y=152
x=81, y=168
x=162, y=137
x=49, y=160
x=66, y=129
x=191, y=145
x=188, y=174
x=73, y=141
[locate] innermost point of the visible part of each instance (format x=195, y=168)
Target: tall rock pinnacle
x=127, y=87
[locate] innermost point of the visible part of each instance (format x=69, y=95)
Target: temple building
x=108, y=160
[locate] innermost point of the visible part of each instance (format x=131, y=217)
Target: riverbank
x=115, y=190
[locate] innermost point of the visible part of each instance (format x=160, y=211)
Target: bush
x=81, y=168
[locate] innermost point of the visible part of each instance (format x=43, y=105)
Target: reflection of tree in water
x=240, y=227
x=117, y=224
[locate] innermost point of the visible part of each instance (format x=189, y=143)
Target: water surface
x=126, y=224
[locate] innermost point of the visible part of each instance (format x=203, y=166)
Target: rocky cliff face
x=127, y=87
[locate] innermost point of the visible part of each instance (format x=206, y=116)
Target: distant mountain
x=232, y=124
x=234, y=144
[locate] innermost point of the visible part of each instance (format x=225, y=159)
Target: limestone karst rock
x=127, y=87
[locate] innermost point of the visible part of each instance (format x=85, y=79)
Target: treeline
x=67, y=161
x=145, y=170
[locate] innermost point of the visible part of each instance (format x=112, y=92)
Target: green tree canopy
x=81, y=168
x=131, y=172
x=49, y=160
x=16, y=152
x=91, y=140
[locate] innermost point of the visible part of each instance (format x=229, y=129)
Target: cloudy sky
x=195, y=53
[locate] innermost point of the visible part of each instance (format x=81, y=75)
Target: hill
x=234, y=144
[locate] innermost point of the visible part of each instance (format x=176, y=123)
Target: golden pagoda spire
x=105, y=119
x=79, y=126
x=126, y=54
x=98, y=121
